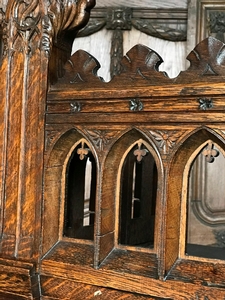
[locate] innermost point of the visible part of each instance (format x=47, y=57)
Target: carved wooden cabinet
x=108, y=190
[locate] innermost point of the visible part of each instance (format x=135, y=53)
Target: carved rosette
x=101, y=138
x=166, y=139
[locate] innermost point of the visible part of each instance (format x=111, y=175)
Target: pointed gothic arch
x=177, y=177
x=56, y=185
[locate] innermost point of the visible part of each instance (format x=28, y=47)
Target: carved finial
x=80, y=68
x=82, y=152
x=207, y=59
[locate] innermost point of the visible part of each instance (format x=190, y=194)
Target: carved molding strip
x=169, y=24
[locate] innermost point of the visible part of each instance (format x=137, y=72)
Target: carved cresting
x=30, y=28
x=141, y=65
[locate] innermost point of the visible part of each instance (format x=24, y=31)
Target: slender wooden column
x=29, y=31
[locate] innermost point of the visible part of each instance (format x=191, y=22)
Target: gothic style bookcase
x=108, y=190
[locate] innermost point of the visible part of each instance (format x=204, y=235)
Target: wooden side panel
x=18, y=280
x=12, y=180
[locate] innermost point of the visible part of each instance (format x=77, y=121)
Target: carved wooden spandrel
x=166, y=139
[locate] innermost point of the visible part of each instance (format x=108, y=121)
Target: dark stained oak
x=51, y=103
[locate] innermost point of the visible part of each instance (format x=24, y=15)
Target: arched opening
x=110, y=237
x=205, y=226
x=80, y=194
x=63, y=168
x=139, y=179
x=177, y=191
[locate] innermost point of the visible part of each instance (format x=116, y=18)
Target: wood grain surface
x=51, y=102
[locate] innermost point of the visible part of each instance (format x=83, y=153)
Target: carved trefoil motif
x=140, y=153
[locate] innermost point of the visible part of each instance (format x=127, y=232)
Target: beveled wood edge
x=148, y=286
x=142, y=90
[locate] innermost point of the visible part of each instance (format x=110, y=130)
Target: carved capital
x=50, y=21
x=69, y=15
